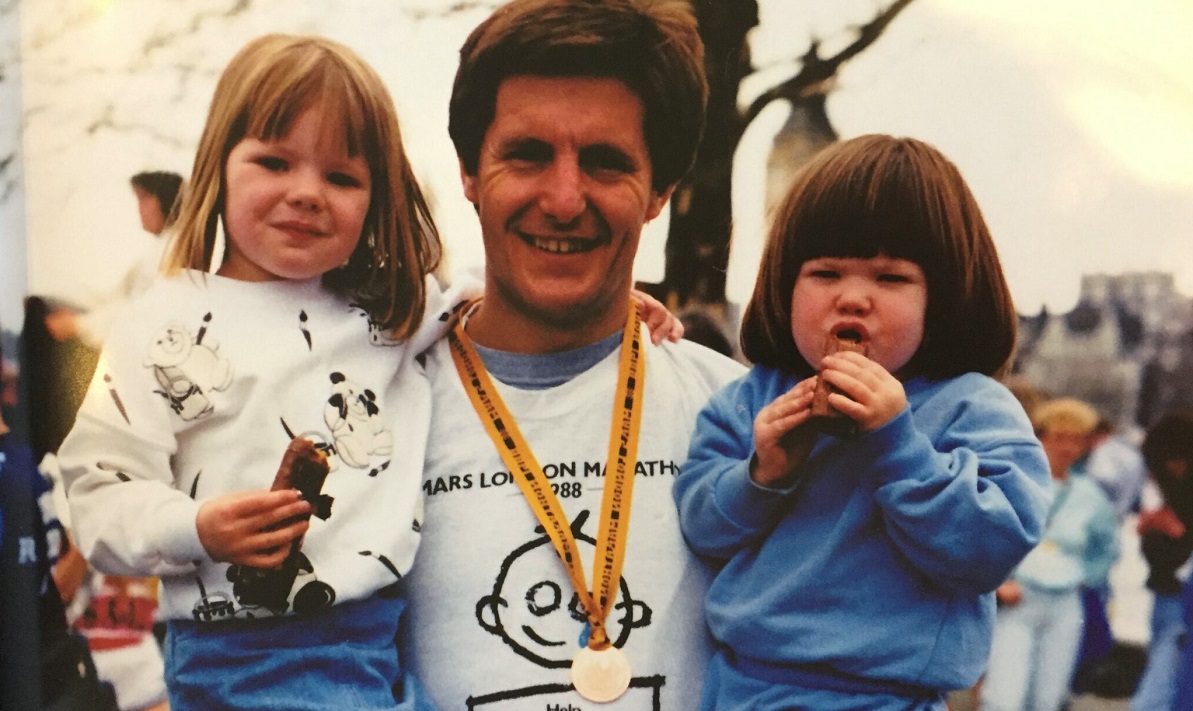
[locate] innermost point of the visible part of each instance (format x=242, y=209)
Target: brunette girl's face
x=294, y=207
x=879, y=301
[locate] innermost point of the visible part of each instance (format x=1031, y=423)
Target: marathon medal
x=601, y=675
x=600, y=672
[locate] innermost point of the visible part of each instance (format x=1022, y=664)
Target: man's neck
x=493, y=326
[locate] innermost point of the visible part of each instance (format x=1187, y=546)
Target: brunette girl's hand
x=781, y=443
x=252, y=527
x=661, y=323
x=870, y=395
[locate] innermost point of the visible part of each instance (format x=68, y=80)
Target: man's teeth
x=564, y=246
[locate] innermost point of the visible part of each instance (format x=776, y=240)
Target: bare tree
x=697, y=252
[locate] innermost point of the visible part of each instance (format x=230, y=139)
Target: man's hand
x=253, y=528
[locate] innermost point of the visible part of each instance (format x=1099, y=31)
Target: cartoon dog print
x=355, y=422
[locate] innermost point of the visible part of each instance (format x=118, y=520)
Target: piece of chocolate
x=825, y=418
x=304, y=467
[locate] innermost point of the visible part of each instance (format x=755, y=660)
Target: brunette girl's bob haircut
x=264, y=89
x=898, y=197
x=651, y=46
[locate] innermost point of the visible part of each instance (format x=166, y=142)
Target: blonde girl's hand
x=662, y=324
x=781, y=443
x=252, y=527
x=870, y=395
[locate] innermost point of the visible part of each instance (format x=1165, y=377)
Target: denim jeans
x=1034, y=652
x=342, y=658
x=1157, y=686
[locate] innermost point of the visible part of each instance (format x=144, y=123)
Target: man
x=572, y=121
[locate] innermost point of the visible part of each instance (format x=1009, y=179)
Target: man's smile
x=564, y=245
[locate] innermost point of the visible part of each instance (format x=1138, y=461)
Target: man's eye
x=602, y=161
x=529, y=153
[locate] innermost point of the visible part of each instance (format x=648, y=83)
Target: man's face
x=563, y=188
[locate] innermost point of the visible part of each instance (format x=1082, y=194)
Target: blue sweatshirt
x=880, y=562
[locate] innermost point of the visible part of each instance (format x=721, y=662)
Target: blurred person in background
x=1166, y=538
x=1040, y=619
x=1115, y=463
x=60, y=343
x=43, y=665
x=156, y=193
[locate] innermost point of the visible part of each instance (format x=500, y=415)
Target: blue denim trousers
x=342, y=658
x=1157, y=686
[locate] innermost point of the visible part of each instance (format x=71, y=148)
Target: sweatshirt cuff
x=888, y=445
x=175, y=528
x=745, y=502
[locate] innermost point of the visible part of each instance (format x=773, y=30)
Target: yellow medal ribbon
x=622, y=459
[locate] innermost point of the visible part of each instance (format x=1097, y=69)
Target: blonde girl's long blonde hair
x=260, y=94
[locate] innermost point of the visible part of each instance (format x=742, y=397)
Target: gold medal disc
x=601, y=676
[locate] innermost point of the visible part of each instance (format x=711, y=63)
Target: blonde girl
x=297, y=290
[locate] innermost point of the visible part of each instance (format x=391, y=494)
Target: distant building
x=1126, y=348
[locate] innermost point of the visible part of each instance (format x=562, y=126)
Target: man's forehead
x=578, y=110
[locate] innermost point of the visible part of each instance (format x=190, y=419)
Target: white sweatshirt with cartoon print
x=203, y=383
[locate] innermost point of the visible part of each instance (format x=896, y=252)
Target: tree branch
x=816, y=74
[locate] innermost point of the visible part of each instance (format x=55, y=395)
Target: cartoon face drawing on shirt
x=187, y=367
x=535, y=610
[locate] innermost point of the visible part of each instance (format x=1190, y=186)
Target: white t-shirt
x=494, y=621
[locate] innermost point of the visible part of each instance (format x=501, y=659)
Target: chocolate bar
x=825, y=418
x=304, y=467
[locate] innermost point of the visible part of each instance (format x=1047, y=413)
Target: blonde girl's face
x=879, y=301
x=295, y=207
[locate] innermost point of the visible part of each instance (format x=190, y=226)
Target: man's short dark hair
x=651, y=46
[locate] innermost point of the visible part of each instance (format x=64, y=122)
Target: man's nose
x=562, y=196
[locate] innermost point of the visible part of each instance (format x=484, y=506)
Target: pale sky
x=1072, y=120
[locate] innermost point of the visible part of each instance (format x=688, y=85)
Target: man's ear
x=657, y=201
x=469, y=183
